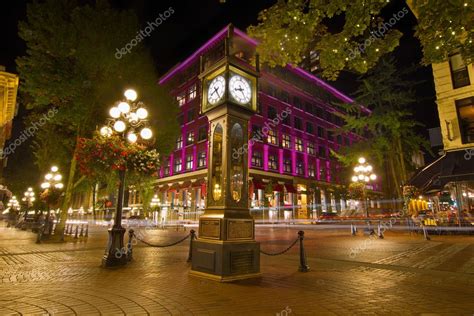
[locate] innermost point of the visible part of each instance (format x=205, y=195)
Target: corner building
x=291, y=172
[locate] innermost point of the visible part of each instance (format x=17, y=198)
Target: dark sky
x=196, y=21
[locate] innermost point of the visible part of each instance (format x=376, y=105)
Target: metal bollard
x=77, y=230
x=39, y=235
x=303, y=265
x=66, y=229
x=379, y=231
x=87, y=231
x=129, y=245
x=70, y=229
x=353, y=229
x=193, y=236
x=425, y=233
x=82, y=230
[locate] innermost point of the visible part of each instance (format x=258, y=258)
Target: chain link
x=281, y=252
x=162, y=246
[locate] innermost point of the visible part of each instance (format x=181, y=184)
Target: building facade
x=292, y=172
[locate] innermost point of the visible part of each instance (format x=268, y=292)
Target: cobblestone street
x=398, y=275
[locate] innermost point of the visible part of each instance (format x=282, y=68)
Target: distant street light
x=363, y=173
x=52, y=181
x=128, y=120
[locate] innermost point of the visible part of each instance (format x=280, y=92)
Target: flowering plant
x=99, y=155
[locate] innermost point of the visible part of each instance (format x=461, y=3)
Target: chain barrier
x=162, y=246
x=281, y=252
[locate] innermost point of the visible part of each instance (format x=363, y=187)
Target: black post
x=129, y=246
x=116, y=233
x=303, y=265
x=193, y=236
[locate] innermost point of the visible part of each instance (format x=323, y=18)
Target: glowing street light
x=363, y=173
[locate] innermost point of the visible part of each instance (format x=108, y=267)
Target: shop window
x=310, y=148
x=257, y=159
x=286, y=141
x=189, y=162
x=202, y=159
x=465, y=109
x=273, y=162
x=179, y=142
x=272, y=137
x=177, y=165
x=459, y=72
x=298, y=144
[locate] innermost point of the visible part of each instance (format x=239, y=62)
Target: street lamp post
x=363, y=174
x=52, y=181
x=13, y=206
x=155, y=203
x=128, y=120
x=28, y=199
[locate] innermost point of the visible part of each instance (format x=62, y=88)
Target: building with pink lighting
x=292, y=173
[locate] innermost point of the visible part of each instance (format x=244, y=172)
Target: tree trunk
x=402, y=160
x=394, y=175
x=94, y=197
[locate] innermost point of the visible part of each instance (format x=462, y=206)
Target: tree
x=390, y=137
x=291, y=28
x=71, y=66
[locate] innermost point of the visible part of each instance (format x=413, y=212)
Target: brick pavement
x=399, y=275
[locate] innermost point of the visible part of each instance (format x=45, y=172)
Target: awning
x=258, y=185
x=290, y=188
x=451, y=167
x=185, y=185
x=198, y=183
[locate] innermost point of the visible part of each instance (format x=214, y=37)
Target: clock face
x=216, y=90
x=240, y=89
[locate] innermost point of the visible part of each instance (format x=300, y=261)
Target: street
x=401, y=274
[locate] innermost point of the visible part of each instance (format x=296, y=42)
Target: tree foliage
x=290, y=29
x=390, y=137
x=70, y=65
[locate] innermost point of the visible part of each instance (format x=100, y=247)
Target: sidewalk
x=399, y=275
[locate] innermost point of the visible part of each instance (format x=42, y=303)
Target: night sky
x=190, y=26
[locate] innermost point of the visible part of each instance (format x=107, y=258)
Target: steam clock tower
x=226, y=249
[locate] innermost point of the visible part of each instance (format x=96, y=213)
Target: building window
x=271, y=137
x=347, y=141
x=286, y=141
x=177, y=165
x=192, y=92
x=459, y=72
x=284, y=96
x=330, y=136
x=287, y=165
x=310, y=148
x=190, y=115
x=167, y=168
x=311, y=170
x=189, y=162
x=339, y=139
x=181, y=99
x=309, y=128
x=297, y=103
x=190, y=138
x=300, y=168
x=256, y=132
x=320, y=132
x=257, y=159
x=286, y=120
x=322, y=151
x=179, y=142
x=272, y=112
x=272, y=162
x=298, y=123
x=202, y=133
x=322, y=173
x=298, y=144
x=181, y=119
x=202, y=159
x=465, y=109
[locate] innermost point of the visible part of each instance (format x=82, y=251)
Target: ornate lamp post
x=128, y=120
x=52, y=181
x=28, y=199
x=363, y=174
